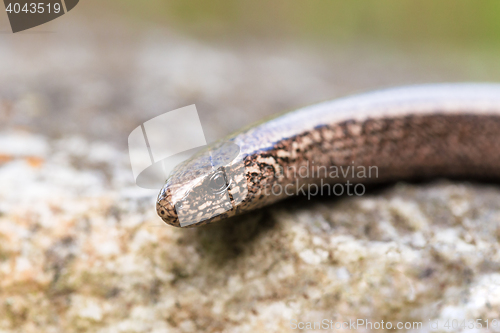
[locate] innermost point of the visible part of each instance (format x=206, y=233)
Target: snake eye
x=218, y=181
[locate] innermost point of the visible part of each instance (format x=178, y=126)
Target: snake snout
x=166, y=210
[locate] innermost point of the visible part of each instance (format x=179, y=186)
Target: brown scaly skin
x=448, y=130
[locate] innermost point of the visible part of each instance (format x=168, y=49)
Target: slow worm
x=439, y=130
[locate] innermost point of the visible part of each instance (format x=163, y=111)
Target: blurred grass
x=450, y=22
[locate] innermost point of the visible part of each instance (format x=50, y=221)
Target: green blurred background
x=464, y=23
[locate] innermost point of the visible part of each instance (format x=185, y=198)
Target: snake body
x=449, y=130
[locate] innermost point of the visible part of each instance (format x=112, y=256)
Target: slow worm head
x=420, y=131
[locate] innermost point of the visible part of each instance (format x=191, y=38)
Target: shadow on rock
x=221, y=241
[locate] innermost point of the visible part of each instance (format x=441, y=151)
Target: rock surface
x=81, y=247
